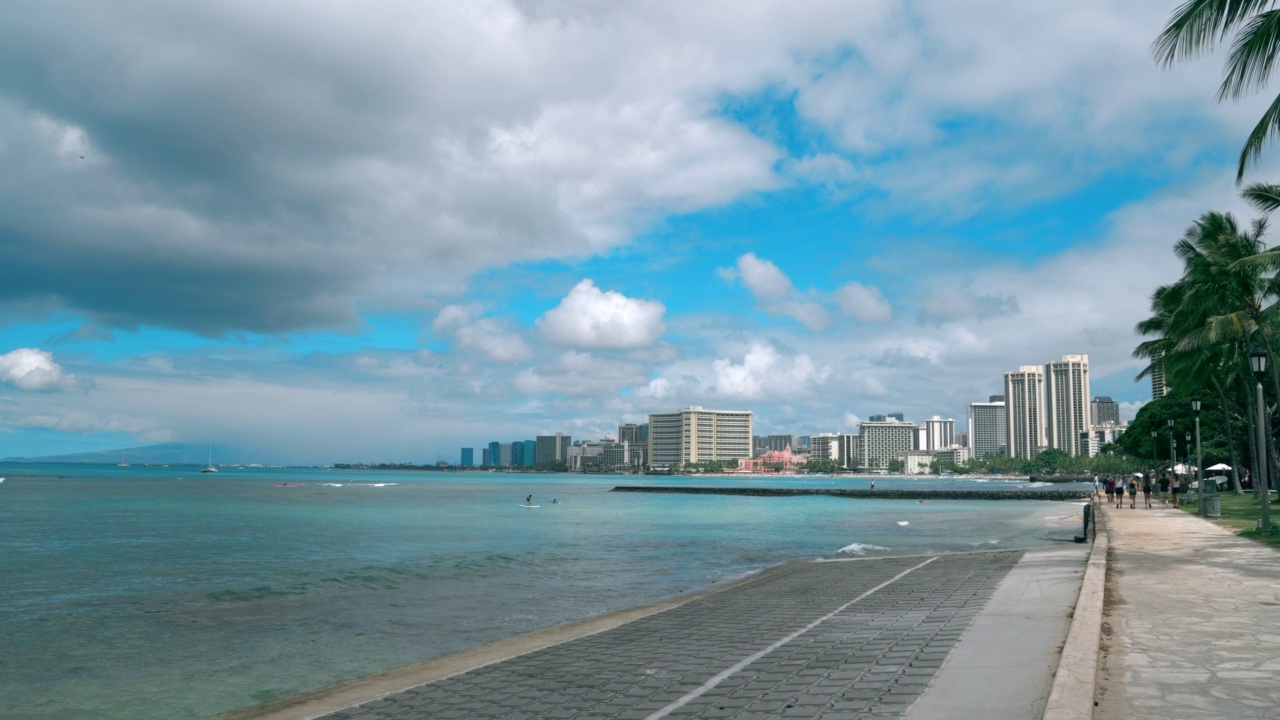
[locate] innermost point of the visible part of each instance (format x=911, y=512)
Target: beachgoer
x=1146, y=490
x=1175, y=487
x=873, y=484
x=1133, y=494
x=528, y=499
x=1164, y=490
x=1111, y=490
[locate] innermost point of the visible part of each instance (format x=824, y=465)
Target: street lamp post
x=1258, y=363
x=1173, y=456
x=1204, y=504
x=1154, y=460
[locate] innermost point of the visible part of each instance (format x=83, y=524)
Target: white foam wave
x=332, y=484
x=860, y=548
x=903, y=522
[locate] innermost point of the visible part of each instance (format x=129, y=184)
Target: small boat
x=209, y=468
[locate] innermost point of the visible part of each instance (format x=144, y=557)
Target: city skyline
x=356, y=236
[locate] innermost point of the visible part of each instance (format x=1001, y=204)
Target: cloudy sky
x=319, y=231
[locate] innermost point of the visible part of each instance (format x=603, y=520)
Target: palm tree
x=1198, y=26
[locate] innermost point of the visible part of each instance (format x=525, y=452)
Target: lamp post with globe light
x=1258, y=363
x=1173, y=455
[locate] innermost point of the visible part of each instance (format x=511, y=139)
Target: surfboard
x=527, y=506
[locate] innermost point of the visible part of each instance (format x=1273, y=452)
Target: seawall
x=882, y=494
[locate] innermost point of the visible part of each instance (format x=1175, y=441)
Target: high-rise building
x=849, y=451
x=1066, y=402
x=939, y=433
x=695, y=435
x=824, y=446
x=530, y=452
x=495, y=454
x=468, y=457
x=988, y=428
x=517, y=453
x=1104, y=410
x=1024, y=407
x=504, y=454
x=551, y=449
x=774, y=443
x=880, y=441
x=484, y=457
x=634, y=433
x=1158, y=387
x=962, y=439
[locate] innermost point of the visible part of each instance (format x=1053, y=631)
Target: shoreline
x=357, y=691
x=332, y=698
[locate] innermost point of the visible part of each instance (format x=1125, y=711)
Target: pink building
x=771, y=462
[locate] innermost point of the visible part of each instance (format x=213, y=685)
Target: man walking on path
x=1218, y=592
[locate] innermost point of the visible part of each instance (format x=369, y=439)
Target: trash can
x=1212, y=505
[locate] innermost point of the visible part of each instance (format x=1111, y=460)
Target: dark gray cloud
x=222, y=166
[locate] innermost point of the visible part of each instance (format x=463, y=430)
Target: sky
x=317, y=232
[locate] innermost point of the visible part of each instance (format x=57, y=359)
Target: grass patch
x=1241, y=513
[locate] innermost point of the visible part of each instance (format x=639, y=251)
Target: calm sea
x=155, y=592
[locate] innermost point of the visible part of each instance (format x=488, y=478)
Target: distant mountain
x=163, y=454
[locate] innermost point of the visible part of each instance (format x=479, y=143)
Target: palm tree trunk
x=1231, y=443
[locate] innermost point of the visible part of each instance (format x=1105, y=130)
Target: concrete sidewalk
x=1190, y=622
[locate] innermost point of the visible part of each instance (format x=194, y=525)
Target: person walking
x=1133, y=494
x=1111, y=490
x=1175, y=488
x=1164, y=490
x=1146, y=490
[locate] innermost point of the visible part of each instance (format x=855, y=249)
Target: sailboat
x=209, y=467
x=122, y=463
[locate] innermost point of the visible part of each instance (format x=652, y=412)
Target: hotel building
x=988, y=428
x=1024, y=393
x=695, y=435
x=1066, y=402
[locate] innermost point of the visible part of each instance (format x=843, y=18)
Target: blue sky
x=314, y=233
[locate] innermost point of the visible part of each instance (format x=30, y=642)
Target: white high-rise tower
x=1066, y=402
x=1024, y=405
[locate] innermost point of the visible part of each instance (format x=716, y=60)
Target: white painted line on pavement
x=730, y=671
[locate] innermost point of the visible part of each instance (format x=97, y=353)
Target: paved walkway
x=835, y=640
x=1191, y=620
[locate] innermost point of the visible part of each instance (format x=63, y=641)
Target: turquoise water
x=163, y=593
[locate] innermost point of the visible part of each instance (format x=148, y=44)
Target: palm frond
x=1269, y=125
x=1252, y=55
x=1198, y=25
x=1263, y=196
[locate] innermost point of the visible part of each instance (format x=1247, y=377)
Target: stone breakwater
x=883, y=494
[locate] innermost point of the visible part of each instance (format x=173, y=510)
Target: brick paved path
x=843, y=639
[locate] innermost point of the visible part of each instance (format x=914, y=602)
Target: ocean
x=161, y=592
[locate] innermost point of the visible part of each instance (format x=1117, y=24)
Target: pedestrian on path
x=1146, y=490
x=1133, y=494
x=1111, y=490
x=1164, y=490
x=1176, y=489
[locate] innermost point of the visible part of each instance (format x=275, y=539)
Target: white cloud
x=864, y=303
x=590, y=319
x=579, y=374
x=34, y=370
x=764, y=372
x=483, y=334
x=774, y=292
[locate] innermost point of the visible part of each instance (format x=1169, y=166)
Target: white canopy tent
x=1219, y=466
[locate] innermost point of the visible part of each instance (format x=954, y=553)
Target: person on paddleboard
x=528, y=500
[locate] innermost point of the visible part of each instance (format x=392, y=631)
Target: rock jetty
x=883, y=493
